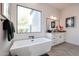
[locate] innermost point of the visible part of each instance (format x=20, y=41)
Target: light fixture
x=53, y=18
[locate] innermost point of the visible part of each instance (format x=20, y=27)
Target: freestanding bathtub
x=31, y=47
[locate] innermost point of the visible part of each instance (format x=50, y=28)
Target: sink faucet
x=31, y=37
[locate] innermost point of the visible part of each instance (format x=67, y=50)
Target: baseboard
x=72, y=43
x=59, y=44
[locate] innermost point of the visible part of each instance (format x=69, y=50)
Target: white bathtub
x=31, y=48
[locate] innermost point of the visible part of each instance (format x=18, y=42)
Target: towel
x=9, y=27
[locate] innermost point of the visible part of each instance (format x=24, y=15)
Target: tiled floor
x=64, y=49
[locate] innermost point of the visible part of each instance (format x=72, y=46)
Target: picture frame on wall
x=70, y=22
x=52, y=24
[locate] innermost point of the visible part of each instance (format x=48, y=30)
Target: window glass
x=29, y=20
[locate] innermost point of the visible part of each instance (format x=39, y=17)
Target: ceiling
x=59, y=6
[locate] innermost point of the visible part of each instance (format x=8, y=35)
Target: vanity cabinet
x=56, y=37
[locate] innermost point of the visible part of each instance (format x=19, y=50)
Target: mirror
x=51, y=22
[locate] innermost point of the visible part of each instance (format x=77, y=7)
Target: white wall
x=46, y=12
x=0, y=8
x=72, y=34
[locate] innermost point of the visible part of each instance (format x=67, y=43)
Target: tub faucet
x=31, y=37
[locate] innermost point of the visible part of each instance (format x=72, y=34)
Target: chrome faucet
x=31, y=37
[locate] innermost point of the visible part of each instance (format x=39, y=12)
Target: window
x=29, y=20
x=5, y=7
